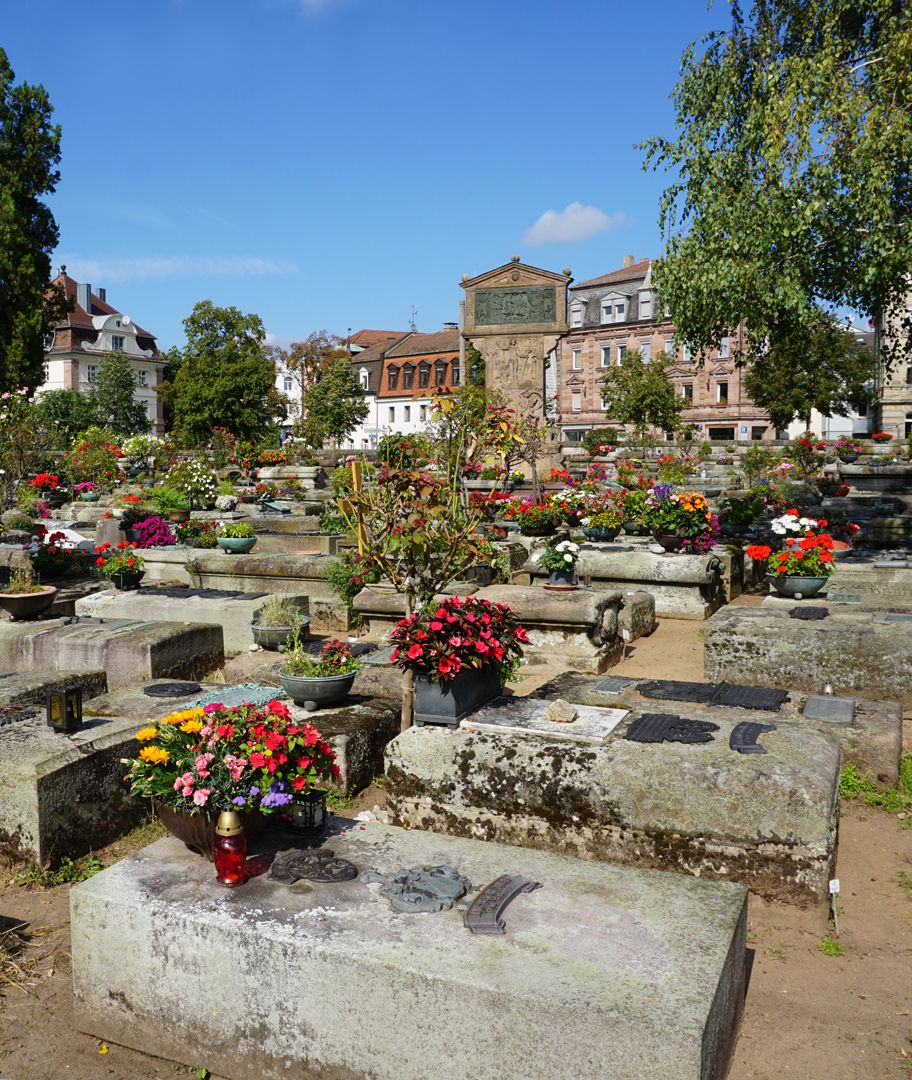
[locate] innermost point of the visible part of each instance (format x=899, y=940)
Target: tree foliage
x=792, y=180
x=65, y=413
x=641, y=394
x=306, y=361
x=222, y=376
x=29, y=154
x=828, y=371
x=333, y=407
x=112, y=400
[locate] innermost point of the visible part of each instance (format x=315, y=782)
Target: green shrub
x=605, y=436
x=167, y=499
x=237, y=530
x=346, y=577
x=19, y=521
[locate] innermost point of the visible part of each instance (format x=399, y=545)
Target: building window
x=117, y=322
x=142, y=377
x=117, y=343
x=646, y=304
x=620, y=311
x=408, y=376
x=687, y=391
x=576, y=401
x=606, y=356
x=576, y=360
x=364, y=378
x=286, y=383
x=687, y=356
x=440, y=369
x=424, y=375
x=670, y=347
x=422, y=413
x=407, y=411
x=576, y=314
x=92, y=373
x=391, y=413
x=722, y=393
x=47, y=372
x=909, y=373
x=645, y=351
x=392, y=377
x=622, y=354
x=725, y=348
x=457, y=373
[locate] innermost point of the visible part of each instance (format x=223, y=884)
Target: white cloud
x=575, y=222
x=150, y=267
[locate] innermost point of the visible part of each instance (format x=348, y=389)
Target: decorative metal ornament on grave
x=614, y=684
x=744, y=737
x=319, y=864
x=268, y=506
x=421, y=888
x=484, y=915
x=12, y=714
x=172, y=689
x=239, y=694
x=667, y=727
x=809, y=614
x=724, y=694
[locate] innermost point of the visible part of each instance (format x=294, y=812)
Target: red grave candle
x=229, y=850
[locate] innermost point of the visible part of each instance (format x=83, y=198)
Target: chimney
x=102, y=294
x=451, y=326
x=84, y=297
x=629, y=260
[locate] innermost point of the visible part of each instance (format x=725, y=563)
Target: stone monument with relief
x=514, y=316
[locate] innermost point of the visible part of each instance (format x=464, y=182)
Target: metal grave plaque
x=421, y=888
x=744, y=737
x=828, y=707
x=502, y=307
x=484, y=915
x=809, y=614
x=762, y=698
x=678, y=690
x=172, y=689
x=885, y=617
x=665, y=727
x=319, y=864
x=614, y=684
x=835, y=596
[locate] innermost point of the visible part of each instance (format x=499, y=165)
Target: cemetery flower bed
x=197, y=534
x=45, y=481
x=52, y=556
x=314, y=681
x=236, y=537
x=881, y=437
x=803, y=565
x=682, y=521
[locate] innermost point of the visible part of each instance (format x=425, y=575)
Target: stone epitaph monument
x=514, y=316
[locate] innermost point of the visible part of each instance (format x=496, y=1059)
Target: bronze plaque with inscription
x=500, y=307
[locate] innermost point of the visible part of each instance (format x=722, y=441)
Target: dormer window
x=364, y=378
x=614, y=308
x=576, y=314
x=646, y=303
x=392, y=376
x=408, y=376
x=117, y=342
x=440, y=372
x=424, y=375
x=457, y=373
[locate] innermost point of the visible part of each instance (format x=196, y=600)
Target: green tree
x=112, y=397
x=641, y=394
x=306, y=361
x=792, y=182
x=65, y=413
x=29, y=154
x=333, y=407
x=828, y=371
x=222, y=376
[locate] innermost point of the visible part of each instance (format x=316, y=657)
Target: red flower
x=257, y=760
x=415, y=651
x=759, y=552
x=299, y=783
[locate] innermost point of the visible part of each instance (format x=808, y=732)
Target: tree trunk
x=408, y=685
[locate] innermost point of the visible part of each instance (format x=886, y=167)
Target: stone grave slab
x=768, y=821
x=830, y=708
x=128, y=651
x=872, y=741
x=603, y=971
x=522, y=716
x=233, y=610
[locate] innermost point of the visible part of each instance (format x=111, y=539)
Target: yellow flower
x=146, y=733
x=191, y=727
x=154, y=755
x=182, y=716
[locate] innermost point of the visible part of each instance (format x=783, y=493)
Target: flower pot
x=236, y=545
x=127, y=579
x=273, y=637
x=600, y=534
x=447, y=703
x=197, y=831
x=179, y=516
x=634, y=528
x=28, y=605
x=90, y=496
x=315, y=693
x=795, y=586
x=848, y=459
x=54, y=499
x=538, y=530
x=668, y=541
x=562, y=577
x=481, y=574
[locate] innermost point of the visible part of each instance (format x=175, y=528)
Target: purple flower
x=275, y=798
x=254, y=791
x=239, y=800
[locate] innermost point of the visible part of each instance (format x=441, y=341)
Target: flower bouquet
x=153, y=532
x=120, y=565
x=881, y=437
x=680, y=521
x=45, y=481
x=198, y=762
x=534, y=518
x=560, y=562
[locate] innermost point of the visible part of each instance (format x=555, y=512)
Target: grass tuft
x=830, y=947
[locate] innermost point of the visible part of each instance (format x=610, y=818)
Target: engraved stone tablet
x=835, y=596
x=834, y=710
x=525, y=716
x=614, y=684
x=501, y=307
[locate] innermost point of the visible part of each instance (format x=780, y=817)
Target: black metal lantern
x=308, y=813
x=64, y=708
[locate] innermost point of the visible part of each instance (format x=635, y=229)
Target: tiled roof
x=81, y=318
x=372, y=337
x=375, y=351
x=420, y=344
x=627, y=273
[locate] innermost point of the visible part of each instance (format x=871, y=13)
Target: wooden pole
x=357, y=480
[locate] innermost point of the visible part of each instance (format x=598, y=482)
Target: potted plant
x=197, y=534
x=634, y=512
x=534, y=518
x=318, y=681
x=255, y=760
x=23, y=598
x=153, y=532
x=276, y=620
x=236, y=537
x=679, y=521
x=560, y=562
x=52, y=556
x=195, y=481
x=881, y=437
x=120, y=565
x=88, y=491
x=171, y=503
x=738, y=512
x=461, y=652
x=49, y=487
x=801, y=569
x=847, y=450
x=603, y=522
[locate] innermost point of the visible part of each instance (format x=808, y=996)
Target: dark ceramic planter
x=446, y=703
x=236, y=545
x=796, y=587
x=848, y=459
x=316, y=693
x=90, y=496
x=273, y=637
x=127, y=580
x=633, y=528
x=197, y=831
x=538, y=530
x=668, y=541
x=601, y=535
x=28, y=605
x=562, y=577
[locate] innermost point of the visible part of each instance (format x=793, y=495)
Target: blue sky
x=333, y=163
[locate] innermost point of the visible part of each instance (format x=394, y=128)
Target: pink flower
x=201, y=764
x=201, y=797
x=212, y=708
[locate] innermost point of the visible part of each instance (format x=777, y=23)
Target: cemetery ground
x=813, y=1009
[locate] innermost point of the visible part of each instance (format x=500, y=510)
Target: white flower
x=568, y=558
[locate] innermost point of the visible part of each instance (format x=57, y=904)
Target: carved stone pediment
x=515, y=298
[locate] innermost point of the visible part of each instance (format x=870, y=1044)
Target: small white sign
x=743, y=430
x=834, y=885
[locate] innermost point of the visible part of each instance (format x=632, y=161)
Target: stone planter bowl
x=315, y=693
x=28, y=605
x=668, y=541
x=90, y=496
x=795, y=586
x=601, y=535
x=127, y=580
x=273, y=637
x=236, y=545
